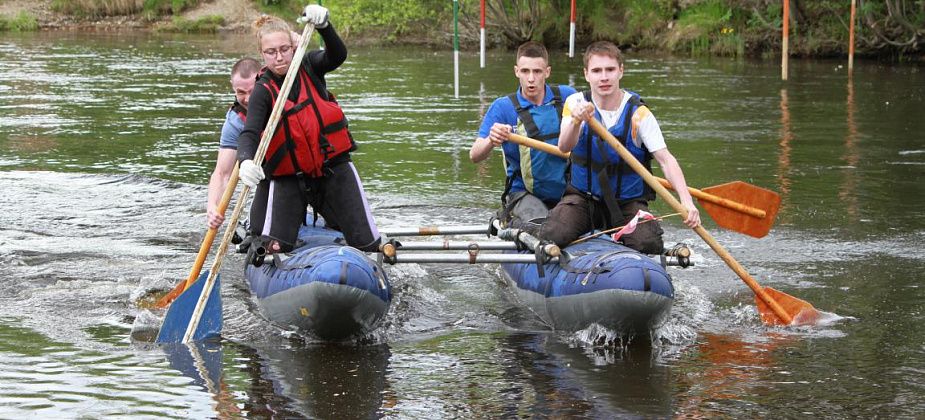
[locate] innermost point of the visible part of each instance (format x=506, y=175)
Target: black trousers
x=280, y=206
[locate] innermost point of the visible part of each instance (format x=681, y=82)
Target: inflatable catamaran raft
x=596, y=281
x=332, y=291
x=325, y=288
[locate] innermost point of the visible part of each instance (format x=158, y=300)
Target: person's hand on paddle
x=250, y=174
x=315, y=15
x=499, y=134
x=693, y=215
x=214, y=219
x=581, y=111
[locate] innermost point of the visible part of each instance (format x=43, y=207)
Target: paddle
x=169, y=329
x=205, y=247
x=775, y=307
x=738, y=206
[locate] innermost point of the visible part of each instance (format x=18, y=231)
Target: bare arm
x=224, y=165
x=480, y=150
x=675, y=176
x=569, y=129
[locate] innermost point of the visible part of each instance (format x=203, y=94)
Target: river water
x=107, y=142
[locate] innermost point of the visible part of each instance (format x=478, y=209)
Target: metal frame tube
x=467, y=259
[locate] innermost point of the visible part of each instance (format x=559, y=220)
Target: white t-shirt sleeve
x=650, y=133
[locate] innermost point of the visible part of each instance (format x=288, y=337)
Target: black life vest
x=239, y=109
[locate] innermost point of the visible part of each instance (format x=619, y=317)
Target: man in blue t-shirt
x=243, y=77
x=535, y=179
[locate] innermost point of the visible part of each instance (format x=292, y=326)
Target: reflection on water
x=40, y=377
x=202, y=362
x=106, y=144
x=733, y=370
x=848, y=191
x=783, y=158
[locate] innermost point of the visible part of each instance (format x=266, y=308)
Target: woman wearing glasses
x=308, y=160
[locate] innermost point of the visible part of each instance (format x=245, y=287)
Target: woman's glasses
x=283, y=49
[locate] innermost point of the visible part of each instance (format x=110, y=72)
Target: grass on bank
x=386, y=20
x=22, y=22
x=707, y=28
x=149, y=9
x=204, y=25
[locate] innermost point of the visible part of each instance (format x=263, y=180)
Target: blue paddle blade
x=181, y=310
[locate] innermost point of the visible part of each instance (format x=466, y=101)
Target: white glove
x=250, y=174
x=316, y=15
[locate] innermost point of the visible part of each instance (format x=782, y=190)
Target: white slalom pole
x=571, y=30
x=482, y=34
x=456, y=48
x=482, y=48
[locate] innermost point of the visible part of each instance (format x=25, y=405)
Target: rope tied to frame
x=618, y=228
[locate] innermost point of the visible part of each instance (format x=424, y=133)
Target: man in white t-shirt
x=603, y=191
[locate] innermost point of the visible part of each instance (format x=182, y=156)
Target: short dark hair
x=603, y=48
x=532, y=49
x=245, y=67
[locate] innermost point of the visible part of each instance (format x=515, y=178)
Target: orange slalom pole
x=851, y=38
x=785, y=44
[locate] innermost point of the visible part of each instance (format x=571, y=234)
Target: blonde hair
x=266, y=24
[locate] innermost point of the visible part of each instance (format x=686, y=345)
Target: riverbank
x=236, y=16
x=691, y=27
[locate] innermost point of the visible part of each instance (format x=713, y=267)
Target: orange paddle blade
x=802, y=312
x=171, y=296
x=749, y=195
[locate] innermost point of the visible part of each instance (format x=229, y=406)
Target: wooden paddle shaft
x=258, y=159
x=210, y=235
x=233, y=179
x=725, y=202
x=204, y=248
x=675, y=204
x=553, y=150
x=538, y=145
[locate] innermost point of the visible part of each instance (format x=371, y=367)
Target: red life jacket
x=312, y=129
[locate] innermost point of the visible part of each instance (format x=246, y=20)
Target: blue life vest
x=605, y=175
x=528, y=169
